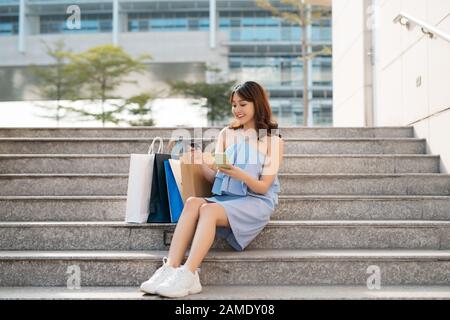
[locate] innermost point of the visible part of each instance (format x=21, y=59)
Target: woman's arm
x=208, y=173
x=270, y=170
x=209, y=169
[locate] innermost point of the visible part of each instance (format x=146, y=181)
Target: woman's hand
x=198, y=157
x=234, y=172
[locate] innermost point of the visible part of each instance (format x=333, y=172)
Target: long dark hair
x=254, y=92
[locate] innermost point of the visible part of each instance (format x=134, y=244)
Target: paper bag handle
x=161, y=145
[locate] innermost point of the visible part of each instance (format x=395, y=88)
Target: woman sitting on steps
x=244, y=196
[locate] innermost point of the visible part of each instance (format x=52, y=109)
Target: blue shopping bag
x=175, y=201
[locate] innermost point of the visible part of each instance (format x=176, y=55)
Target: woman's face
x=243, y=110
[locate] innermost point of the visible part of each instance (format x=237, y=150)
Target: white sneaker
x=180, y=284
x=158, y=277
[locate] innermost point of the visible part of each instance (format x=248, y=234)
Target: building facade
x=391, y=67
x=183, y=36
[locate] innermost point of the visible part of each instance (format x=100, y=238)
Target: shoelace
x=164, y=270
x=177, y=273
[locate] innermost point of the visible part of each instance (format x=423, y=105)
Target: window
x=89, y=23
x=168, y=21
x=9, y=25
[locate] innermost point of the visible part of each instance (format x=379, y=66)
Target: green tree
x=103, y=69
x=138, y=107
x=57, y=81
x=301, y=13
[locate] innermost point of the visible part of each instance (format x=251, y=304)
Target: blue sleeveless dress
x=248, y=212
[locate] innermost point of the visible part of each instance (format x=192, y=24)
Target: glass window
x=133, y=25
x=251, y=27
x=144, y=25
x=273, y=34
x=224, y=23
x=271, y=21
x=179, y=24
x=203, y=24
x=158, y=23
x=105, y=25
x=248, y=22
x=184, y=21
x=235, y=23
x=278, y=71
x=193, y=24
x=235, y=34
x=321, y=33
x=89, y=23
x=9, y=25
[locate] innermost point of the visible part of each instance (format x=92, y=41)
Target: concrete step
x=291, y=184
x=276, y=235
x=253, y=267
x=131, y=132
x=84, y=163
x=112, y=208
x=234, y=292
x=62, y=208
x=141, y=145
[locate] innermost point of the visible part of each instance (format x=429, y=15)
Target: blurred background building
x=183, y=36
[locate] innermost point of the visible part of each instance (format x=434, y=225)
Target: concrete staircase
x=351, y=198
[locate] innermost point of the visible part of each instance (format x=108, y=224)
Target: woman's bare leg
x=184, y=230
x=211, y=216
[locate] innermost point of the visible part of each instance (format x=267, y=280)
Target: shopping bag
x=176, y=170
x=139, y=184
x=159, y=203
x=193, y=182
x=175, y=201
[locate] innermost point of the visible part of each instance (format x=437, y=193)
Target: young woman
x=244, y=195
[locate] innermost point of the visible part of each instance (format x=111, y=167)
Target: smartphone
x=222, y=161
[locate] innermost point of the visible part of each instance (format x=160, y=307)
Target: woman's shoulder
x=275, y=139
x=225, y=130
x=230, y=128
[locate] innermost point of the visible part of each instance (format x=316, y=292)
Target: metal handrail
x=409, y=22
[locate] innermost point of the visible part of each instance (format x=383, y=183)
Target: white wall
x=413, y=71
x=350, y=76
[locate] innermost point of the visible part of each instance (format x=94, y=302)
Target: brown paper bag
x=193, y=182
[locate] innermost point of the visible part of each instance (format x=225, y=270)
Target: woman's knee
x=194, y=202
x=192, y=205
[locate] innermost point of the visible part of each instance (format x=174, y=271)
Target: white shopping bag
x=140, y=184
